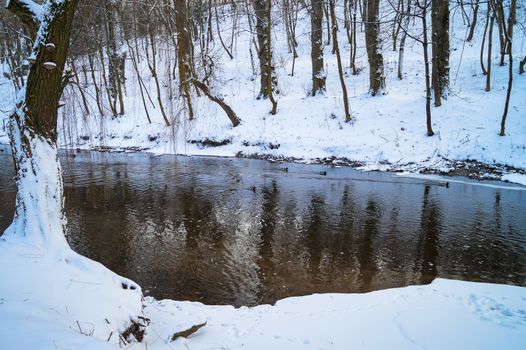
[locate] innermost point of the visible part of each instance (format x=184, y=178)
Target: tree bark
x=474, y=21
x=425, y=43
x=184, y=54
x=440, y=49
x=262, y=11
x=508, y=44
x=374, y=47
x=405, y=27
x=39, y=215
x=229, y=111
x=490, y=48
x=316, y=35
x=339, y=59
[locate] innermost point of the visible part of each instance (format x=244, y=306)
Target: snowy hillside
x=387, y=132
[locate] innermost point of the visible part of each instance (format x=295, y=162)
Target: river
x=246, y=232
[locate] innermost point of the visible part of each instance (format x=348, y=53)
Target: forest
x=284, y=174
x=356, y=81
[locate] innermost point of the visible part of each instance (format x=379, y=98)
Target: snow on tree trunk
x=106, y=305
x=39, y=217
x=39, y=214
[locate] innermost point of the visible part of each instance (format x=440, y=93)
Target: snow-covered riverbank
x=64, y=301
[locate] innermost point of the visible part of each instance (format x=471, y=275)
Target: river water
x=246, y=232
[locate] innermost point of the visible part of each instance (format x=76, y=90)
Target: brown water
x=245, y=232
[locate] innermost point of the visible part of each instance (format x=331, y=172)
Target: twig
x=188, y=332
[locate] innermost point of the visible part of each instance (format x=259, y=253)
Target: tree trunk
x=184, y=54
x=316, y=35
x=374, y=47
x=260, y=10
x=484, y=71
x=226, y=108
x=405, y=27
x=339, y=59
x=490, y=47
x=440, y=48
x=354, y=4
x=473, y=22
x=508, y=43
x=425, y=44
x=39, y=215
x=270, y=68
x=521, y=66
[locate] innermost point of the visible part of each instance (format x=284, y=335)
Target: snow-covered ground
x=61, y=300
x=387, y=129
x=49, y=301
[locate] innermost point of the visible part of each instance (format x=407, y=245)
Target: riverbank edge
x=468, y=168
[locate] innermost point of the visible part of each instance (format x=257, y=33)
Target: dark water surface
x=245, y=232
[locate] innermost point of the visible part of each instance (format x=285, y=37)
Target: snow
x=387, y=129
x=39, y=202
x=515, y=178
x=444, y=315
x=54, y=298
x=42, y=297
x=48, y=296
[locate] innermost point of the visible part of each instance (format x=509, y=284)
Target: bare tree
x=262, y=9
x=404, y=27
x=374, y=47
x=509, y=50
x=184, y=54
x=316, y=35
x=339, y=59
x=474, y=21
x=440, y=48
x=423, y=5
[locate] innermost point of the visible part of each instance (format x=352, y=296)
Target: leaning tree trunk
x=316, y=35
x=473, y=22
x=374, y=47
x=440, y=48
x=39, y=215
x=334, y=25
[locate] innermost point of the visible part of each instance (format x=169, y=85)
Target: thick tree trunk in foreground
x=316, y=35
x=39, y=215
x=440, y=48
x=374, y=47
